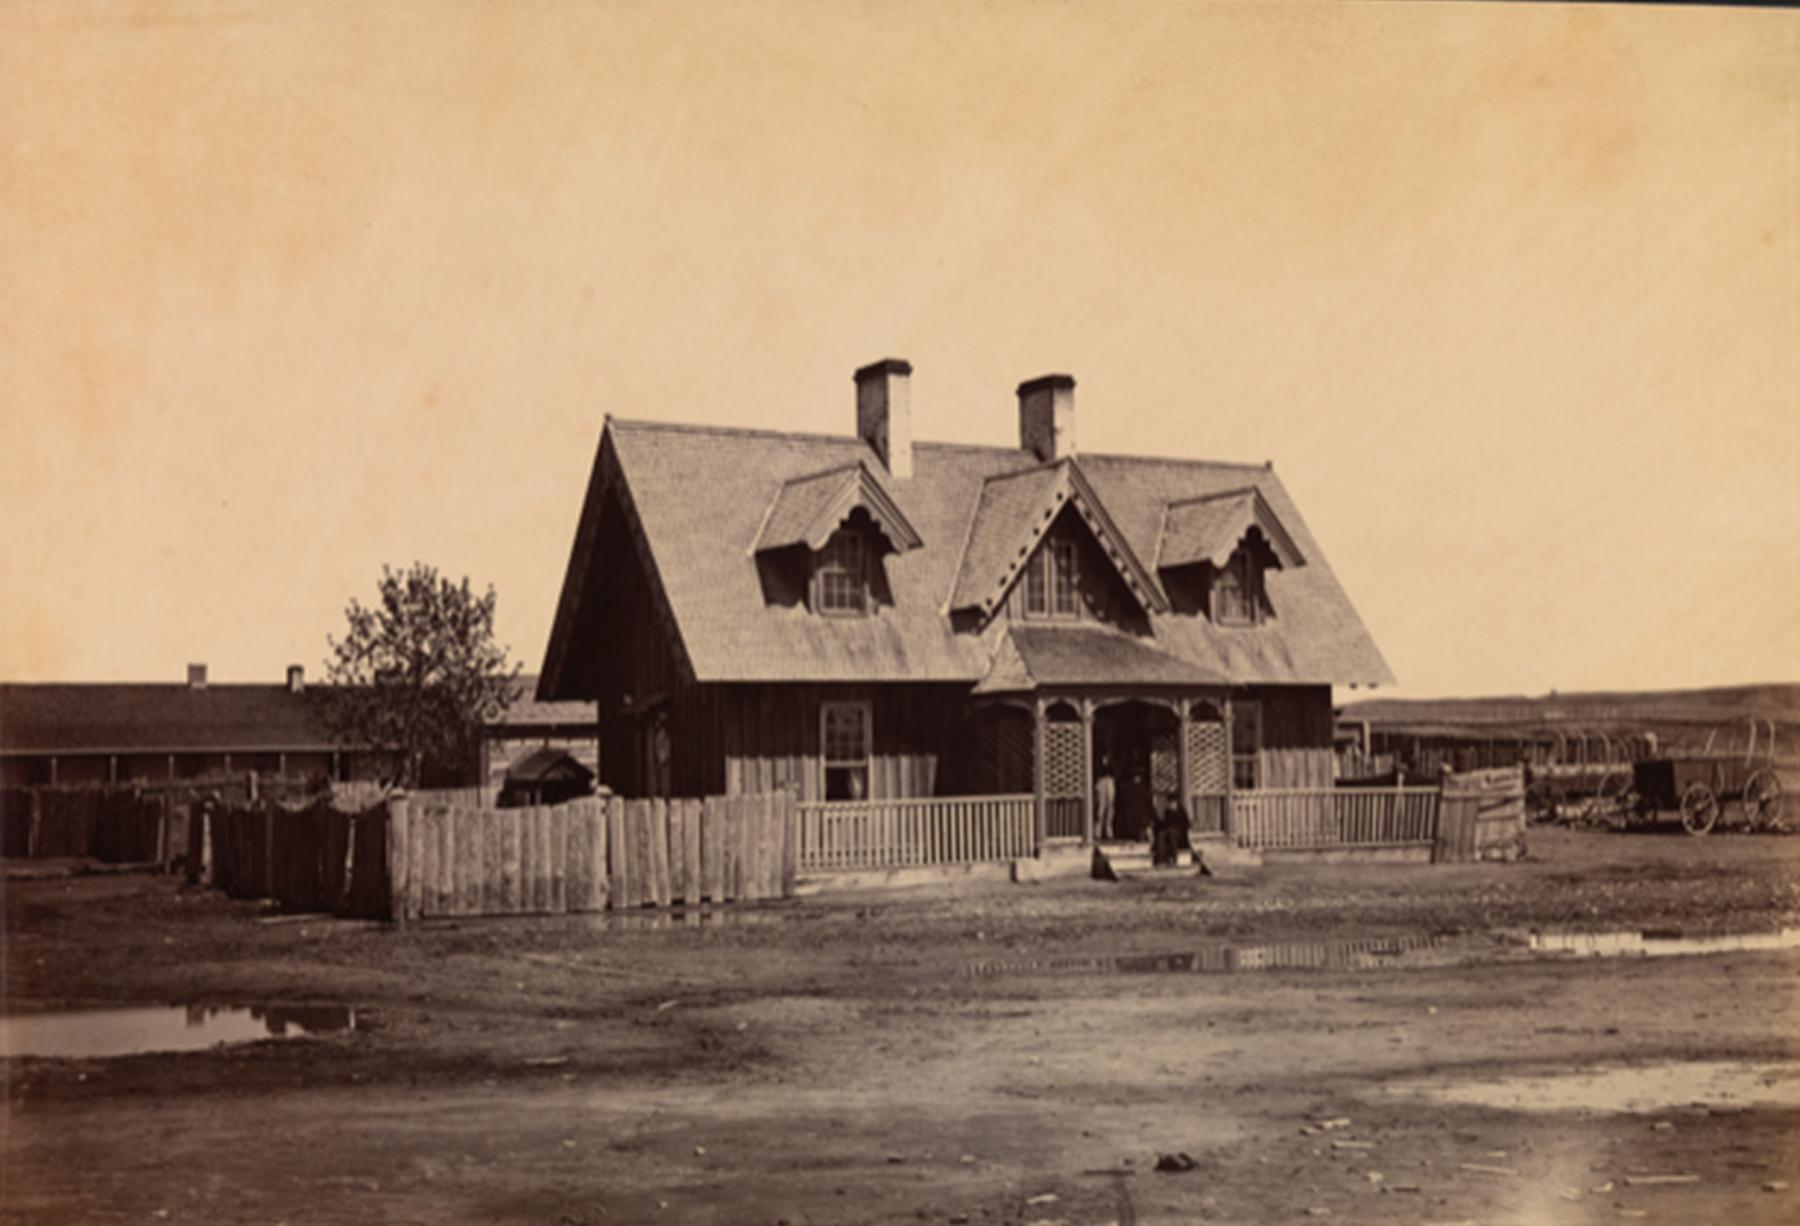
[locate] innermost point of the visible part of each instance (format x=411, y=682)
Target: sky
x=1509, y=294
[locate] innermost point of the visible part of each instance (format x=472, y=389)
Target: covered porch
x=1082, y=736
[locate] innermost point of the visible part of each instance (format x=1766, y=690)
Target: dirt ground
x=980, y=1053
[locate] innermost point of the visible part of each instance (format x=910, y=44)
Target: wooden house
x=915, y=631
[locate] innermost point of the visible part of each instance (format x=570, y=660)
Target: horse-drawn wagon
x=1698, y=786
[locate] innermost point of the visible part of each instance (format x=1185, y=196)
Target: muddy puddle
x=696, y=917
x=1659, y=1087
x=99, y=1033
x=1224, y=959
x=1651, y=944
x=1390, y=953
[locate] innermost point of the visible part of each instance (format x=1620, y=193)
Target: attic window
x=1237, y=590
x=1050, y=581
x=840, y=576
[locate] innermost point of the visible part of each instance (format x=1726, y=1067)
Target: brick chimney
x=884, y=412
x=296, y=678
x=1047, y=416
x=196, y=676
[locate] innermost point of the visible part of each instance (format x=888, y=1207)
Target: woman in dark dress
x=1171, y=837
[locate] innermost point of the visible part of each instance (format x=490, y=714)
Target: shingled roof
x=702, y=496
x=1029, y=657
x=167, y=717
x=159, y=718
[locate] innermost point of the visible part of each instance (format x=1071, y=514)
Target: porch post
x=1037, y=772
x=1183, y=791
x=1230, y=823
x=1087, y=770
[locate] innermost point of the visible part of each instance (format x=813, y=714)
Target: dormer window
x=1216, y=552
x=1236, y=591
x=841, y=577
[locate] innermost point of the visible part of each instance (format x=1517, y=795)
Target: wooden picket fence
x=588, y=855
x=847, y=835
x=1333, y=817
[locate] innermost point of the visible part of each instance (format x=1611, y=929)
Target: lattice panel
x=1207, y=767
x=1063, y=773
x=1165, y=763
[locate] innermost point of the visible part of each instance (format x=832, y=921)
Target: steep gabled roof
x=701, y=495
x=807, y=510
x=1207, y=529
x=546, y=763
x=1011, y=517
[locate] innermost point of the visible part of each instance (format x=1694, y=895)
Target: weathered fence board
x=1483, y=816
x=428, y=857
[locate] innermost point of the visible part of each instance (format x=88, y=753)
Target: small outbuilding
x=545, y=776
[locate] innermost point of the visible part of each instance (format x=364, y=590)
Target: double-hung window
x=843, y=587
x=848, y=739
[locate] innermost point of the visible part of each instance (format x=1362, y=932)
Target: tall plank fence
x=317, y=858
x=145, y=822
x=588, y=855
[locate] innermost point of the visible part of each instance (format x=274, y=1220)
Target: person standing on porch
x=1104, y=795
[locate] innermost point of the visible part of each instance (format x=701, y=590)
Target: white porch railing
x=847, y=835
x=1327, y=817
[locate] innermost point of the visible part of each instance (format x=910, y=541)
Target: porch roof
x=1030, y=658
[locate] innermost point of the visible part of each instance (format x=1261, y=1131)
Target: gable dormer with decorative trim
x=844, y=521
x=1214, y=553
x=1025, y=523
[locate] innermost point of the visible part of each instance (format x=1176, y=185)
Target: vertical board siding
x=770, y=736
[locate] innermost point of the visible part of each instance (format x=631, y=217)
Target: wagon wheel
x=1607, y=804
x=1699, y=808
x=1632, y=808
x=1762, y=801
